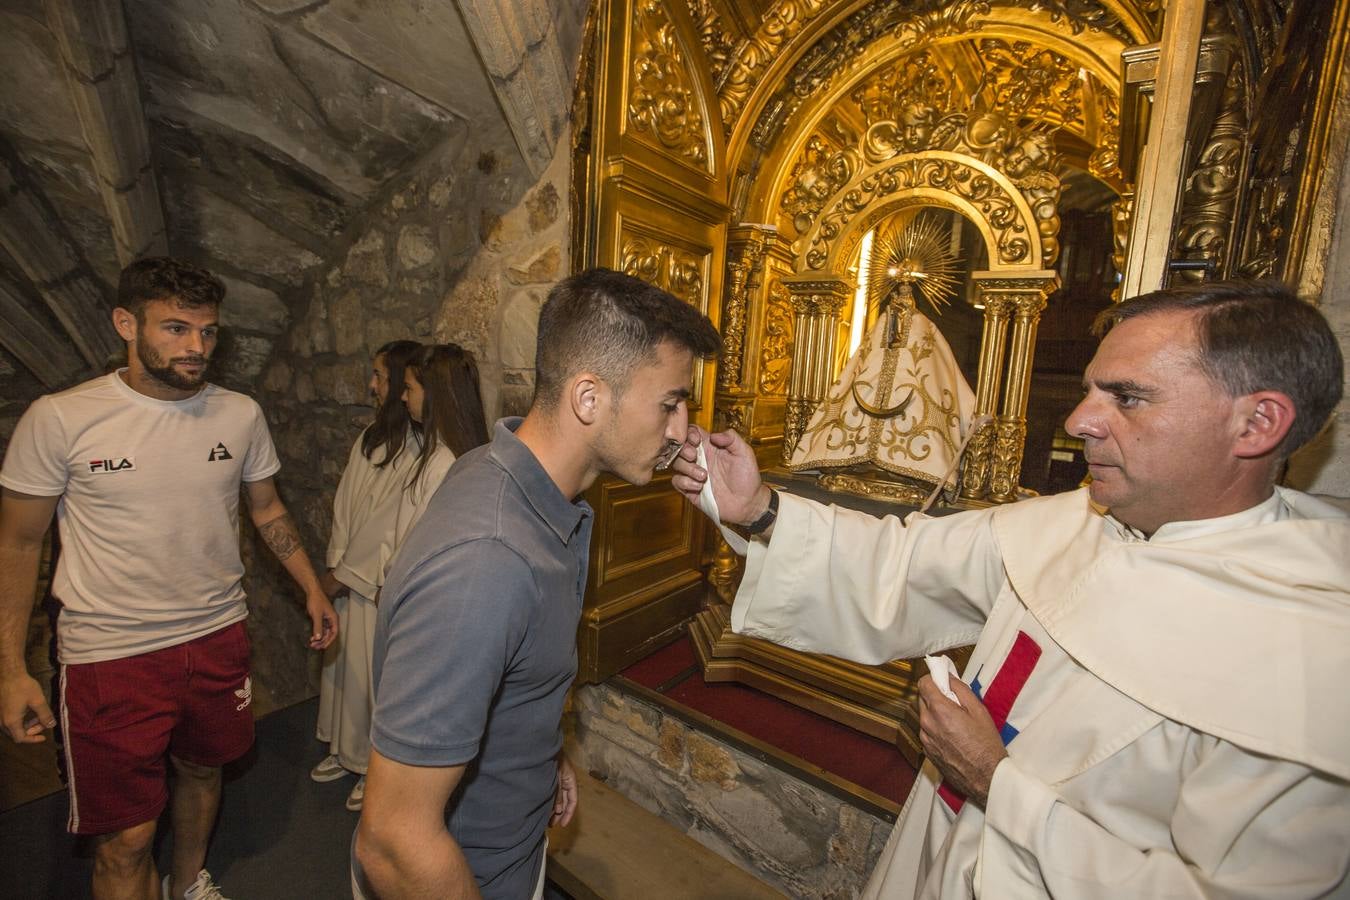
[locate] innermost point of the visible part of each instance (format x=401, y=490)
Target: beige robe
x=1182, y=734
x=360, y=545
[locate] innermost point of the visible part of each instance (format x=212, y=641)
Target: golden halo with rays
x=917, y=254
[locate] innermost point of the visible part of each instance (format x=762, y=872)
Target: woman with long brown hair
x=442, y=395
x=365, y=516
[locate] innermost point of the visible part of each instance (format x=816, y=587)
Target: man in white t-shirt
x=142, y=468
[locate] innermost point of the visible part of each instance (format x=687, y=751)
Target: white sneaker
x=358, y=795
x=201, y=889
x=328, y=770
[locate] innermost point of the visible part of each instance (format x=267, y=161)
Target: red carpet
x=851, y=755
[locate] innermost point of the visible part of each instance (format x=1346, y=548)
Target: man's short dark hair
x=165, y=278
x=1255, y=336
x=610, y=323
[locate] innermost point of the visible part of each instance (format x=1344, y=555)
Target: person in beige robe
x=1151, y=708
x=366, y=507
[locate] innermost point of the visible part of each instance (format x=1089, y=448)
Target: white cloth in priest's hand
x=738, y=544
x=943, y=671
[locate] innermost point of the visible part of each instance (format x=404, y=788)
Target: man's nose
x=677, y=425
x=1086, y=420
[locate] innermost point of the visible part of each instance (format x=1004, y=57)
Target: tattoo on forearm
x=281, y=536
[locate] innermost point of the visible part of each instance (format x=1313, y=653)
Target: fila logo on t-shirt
x=219, y=452
x=108, y=466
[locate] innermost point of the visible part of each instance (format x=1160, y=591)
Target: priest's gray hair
x=1255, y=336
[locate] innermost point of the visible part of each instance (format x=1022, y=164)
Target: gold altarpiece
x=736, y=152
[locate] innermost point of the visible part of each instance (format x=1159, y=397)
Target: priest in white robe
x=1153, y=707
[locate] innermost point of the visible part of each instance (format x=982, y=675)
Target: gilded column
x=993, y=343
x=746, y=246
x=1027, y=297
x=816, y=304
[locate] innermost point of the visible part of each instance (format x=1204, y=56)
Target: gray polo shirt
x=476, y=647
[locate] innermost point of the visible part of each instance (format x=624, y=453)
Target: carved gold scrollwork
x=943, y=174
x=775, y=359
x=743, y=271
x=713, y=35
x=674, y=269
x=779, y=25
x=916, y=79
x=1212, y=189
x=796, y=415
x=1028, y=81
x=661, y=101
x=725, y=574
x=977, y=462
x=1122, y=212
x=819, y=173
x=877, y=488
x=817, y=298
x=1104, y=163
x=1009, y=439
x=735, y=417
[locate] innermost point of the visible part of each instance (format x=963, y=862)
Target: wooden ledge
x=616, y=850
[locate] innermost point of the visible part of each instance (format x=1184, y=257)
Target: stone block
x=304, y=388
x=342, y=382
x=542, y=269
x=278, y=378
x=242, y=359
x=348, y=319
x=468, y=313
x=441, y=192
x=849, y=846
x=711, y=763
x=671, y=739
x=224, y=230
x=252, y=306
x=616, y=732
x=366, y=260
x=416, y=247
x=231, y=67
x=411, y=42
x=514, y=400
x=543, y=207
x=518, y=332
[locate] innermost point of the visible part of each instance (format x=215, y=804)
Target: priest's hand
x=740, y=494
x=960, y=740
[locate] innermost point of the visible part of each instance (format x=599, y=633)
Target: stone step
x=616, y=850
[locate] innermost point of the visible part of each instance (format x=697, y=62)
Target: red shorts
x=123, y=716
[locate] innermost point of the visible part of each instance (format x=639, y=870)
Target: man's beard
x=162, y=370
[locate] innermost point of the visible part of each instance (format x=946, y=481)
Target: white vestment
x=1182, y=732
x=365, y=520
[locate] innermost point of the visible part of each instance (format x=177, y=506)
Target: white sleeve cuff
x=1019, y=806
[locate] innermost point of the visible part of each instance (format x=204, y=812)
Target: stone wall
x=790, y=834
x=462, y=249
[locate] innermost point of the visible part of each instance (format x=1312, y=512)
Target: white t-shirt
x=149, y=510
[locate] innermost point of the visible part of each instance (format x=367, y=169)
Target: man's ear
x=587, y=395
x=124, y=320
x=1265, y=419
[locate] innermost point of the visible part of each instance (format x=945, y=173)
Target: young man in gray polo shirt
x=476, y=643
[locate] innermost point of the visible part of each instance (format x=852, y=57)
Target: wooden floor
x=616, y=850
